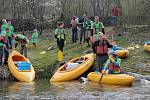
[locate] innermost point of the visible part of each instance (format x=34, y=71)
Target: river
x=75, y=90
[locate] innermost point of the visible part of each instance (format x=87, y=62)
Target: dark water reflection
x=43, y=90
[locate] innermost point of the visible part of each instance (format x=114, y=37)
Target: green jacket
x=4, y=26
x=89, y=25
x=34, y=37
x=61, y=32
x=4, y=37
x=21, y=39
x=11, y=28
x=98, y=26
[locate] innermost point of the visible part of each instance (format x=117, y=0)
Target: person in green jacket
x=4, y=26
x=98, y=27
x=34, y=38
x=23, y=41
x=11, y=28
x=112, y=65
x=4, y=46
x=89, y=27
x=60, y=35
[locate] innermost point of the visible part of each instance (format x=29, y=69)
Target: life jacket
x=74, y=23
x=102, y=48
x=114, y=68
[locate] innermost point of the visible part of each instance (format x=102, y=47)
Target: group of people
x=88, y=28
x=91, y=32
x=10, y=40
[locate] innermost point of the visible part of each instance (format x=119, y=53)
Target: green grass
x=44, y=62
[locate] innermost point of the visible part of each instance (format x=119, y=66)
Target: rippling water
x=43, y=90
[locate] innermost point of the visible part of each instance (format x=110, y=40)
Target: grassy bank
x=45, y=63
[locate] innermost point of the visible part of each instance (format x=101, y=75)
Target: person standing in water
x=100, y=48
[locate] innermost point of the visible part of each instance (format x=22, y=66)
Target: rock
x=4, y=72
x=144, y=81
x=142, y=66
x=51, y=48
x=83, y=80
x=138, y=77
x=147, y=77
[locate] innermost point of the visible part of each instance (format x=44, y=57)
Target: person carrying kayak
x=23, y=41
x=34, y=37
x=98, y=27
x=60, y=35
x=74, y=29
x=112, y=65
x=4, y=46
x=100, y=48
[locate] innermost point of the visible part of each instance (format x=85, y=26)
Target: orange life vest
x=74, y=23
x=102, y=48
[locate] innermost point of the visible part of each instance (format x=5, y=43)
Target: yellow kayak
x=21, y=75
x=122, y=53
x=111, y=79
x=147, y=47
x=78, y=67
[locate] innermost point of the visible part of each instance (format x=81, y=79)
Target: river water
x=75, y=90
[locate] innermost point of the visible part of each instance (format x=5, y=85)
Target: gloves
x=103, y=72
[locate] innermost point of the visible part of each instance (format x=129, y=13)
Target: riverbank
x=44, y=57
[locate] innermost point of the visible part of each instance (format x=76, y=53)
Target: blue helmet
x=112, y=52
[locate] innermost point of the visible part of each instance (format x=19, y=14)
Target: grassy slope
x=43, y=61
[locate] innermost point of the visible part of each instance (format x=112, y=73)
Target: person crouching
x=23, y=41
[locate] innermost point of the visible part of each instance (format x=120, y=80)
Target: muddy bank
x=40, y=75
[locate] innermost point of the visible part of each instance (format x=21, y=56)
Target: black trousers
x=60, y=44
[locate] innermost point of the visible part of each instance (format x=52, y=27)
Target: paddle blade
x=60, y=56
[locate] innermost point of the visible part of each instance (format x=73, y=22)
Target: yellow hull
x=62, y=75
x=122, y=53
x=147, y=47
x=25, y=76
x=111, y=79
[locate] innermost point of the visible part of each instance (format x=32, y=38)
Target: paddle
x=101, y=78
x=60, y=56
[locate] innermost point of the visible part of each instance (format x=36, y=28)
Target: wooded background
x=43, y=14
